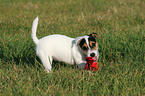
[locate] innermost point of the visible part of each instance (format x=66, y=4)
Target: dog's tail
x=34, y=28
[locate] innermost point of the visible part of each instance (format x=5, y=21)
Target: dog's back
x=57, y=46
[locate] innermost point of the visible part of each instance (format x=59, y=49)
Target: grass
x=119, y=23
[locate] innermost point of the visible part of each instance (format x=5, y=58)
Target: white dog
x=65, y=49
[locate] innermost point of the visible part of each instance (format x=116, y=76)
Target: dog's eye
x=85, y=48
x=93, y=44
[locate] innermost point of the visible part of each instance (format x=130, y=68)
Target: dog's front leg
x=82, y=65
x=46, y=60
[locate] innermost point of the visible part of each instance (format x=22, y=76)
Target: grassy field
x=119, y=23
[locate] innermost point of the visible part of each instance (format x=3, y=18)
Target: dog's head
x=88, y=45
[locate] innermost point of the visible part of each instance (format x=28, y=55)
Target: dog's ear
x=94, y=35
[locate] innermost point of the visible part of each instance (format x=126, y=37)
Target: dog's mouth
x=91, y=58
x=95, y=59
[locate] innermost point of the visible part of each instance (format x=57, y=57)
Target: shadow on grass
x=56, y=65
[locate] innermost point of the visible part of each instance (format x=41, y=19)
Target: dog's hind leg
x=46, y=60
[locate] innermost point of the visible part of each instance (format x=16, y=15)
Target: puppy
x=62, y=48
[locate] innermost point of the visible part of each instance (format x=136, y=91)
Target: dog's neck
x=78, y=54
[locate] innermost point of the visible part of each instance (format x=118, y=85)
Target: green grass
x=119, y=23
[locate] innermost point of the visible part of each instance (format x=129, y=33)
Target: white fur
x=34, y=29
x=58, y=47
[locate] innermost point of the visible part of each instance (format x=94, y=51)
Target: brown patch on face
x=92, y=42
x=93, y=45
x=83, y=45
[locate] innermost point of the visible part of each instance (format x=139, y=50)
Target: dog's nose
x=92, y=54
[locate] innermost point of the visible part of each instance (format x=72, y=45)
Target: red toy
x=91, y=65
